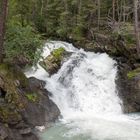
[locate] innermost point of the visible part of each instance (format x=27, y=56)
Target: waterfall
x=84, y=89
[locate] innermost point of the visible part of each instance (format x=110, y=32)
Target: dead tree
x=136, y=26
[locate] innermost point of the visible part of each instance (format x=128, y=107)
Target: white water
x=84, y=90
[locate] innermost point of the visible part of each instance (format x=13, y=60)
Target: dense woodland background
x=29, y=22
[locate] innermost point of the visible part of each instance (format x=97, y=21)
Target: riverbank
x=24, y=105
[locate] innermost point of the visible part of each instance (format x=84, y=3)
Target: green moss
x=32, y=97
x=57, y=53
x=3, y=68
x=8, y=114
x=133, y=73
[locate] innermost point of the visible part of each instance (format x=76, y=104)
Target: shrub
x=22, y=40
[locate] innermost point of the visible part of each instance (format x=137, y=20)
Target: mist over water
x=84, y=89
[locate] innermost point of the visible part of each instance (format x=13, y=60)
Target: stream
x=84, y=90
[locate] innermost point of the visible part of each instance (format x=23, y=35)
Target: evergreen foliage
x=64, y=19
x=22, y=40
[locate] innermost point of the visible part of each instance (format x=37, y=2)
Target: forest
x=70, y=20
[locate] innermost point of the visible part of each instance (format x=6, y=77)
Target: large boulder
x=21, y=61
x=43, y=110
x=128, y=85
x=7, y=133
x=53, y=62
x=24, y=104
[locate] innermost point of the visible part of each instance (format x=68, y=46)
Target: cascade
x=84, y=89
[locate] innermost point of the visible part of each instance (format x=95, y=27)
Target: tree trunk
x=136, y=26
x=113, y=10
x=99, y=12
x=3, y=14
x=124, y=12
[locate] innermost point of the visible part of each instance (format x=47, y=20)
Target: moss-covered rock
x=9, y=114
x=58, y=53
x=128, y=86
x=32, y=97
x=23, y=102
x=13, y=81
x=53, y=62
x=133, y=73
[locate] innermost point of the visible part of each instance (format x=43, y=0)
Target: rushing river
x=84, y=89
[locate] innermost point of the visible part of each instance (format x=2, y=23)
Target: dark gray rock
x=3, y=132
x=30, y=137
x=25, y=131
x=129, y=89
x=44, y=106
x=7, y=133
x=43, y=110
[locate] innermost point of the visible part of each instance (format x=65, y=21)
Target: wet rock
x=132, y=99
x=14, y=134
x=40, y=110
x=36, y=84
x=30, y=137
x=53, y=62
x=25, y=131
x=128, y=85
x=45, y=105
